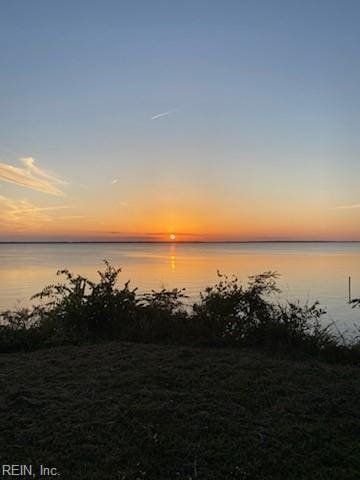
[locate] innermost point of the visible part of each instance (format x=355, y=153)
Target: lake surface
x=309, y=271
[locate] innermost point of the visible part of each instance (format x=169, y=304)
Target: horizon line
x=170, y=242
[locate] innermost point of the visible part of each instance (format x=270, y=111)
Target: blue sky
x=263, y=101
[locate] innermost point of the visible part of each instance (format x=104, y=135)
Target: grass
x=130, y=411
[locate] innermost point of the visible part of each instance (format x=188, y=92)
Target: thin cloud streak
x=20, y=215
x=29, y=163
x=348, y=207
x=164, y=114
x=72, y=217
x=188, y=234
x=31, y=176
x=24, y=210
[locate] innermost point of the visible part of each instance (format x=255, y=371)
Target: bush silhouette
x=78, y=310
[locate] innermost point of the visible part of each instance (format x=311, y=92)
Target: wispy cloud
x=72, y=217
x=164, y=114
x=167, y=233
x=348, y=207
x=31, y=176
x=21, y=215
x=115, y=181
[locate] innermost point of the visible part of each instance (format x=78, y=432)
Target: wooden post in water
x=349, y=289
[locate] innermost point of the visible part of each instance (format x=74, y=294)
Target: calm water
x=309, y=271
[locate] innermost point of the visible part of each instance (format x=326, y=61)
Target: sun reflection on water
x=172, y=258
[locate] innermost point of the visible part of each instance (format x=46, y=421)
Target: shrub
x=355, y=302
x=19, y=330
x=161, y=317
x=235, y=314
x=293, y=326
x=78, y=310
x=228, y=311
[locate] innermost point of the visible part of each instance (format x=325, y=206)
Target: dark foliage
x=78, y=311
x=231, y=312
x=355, y=302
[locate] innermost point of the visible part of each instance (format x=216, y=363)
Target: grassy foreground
x=135, y=411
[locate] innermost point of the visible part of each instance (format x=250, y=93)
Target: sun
x=172, y=236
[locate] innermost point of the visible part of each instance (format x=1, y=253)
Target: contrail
x=164, y=114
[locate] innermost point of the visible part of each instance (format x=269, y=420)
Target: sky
x=134, y=120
